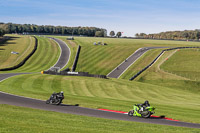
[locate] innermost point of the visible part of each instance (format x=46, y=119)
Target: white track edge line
x=69, y=52
x=59, y=55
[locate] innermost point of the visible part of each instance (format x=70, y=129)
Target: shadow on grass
x=4, y=42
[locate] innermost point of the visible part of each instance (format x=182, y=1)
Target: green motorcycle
x=140, y=111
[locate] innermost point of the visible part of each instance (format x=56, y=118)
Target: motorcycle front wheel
x=146, y=115
x=58, y=102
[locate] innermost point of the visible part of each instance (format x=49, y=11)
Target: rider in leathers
x=143, y=106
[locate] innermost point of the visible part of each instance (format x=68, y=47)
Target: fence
x=136, y=75
x=74, y=74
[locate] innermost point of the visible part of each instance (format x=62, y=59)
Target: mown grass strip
x=142, y=62
x=20, y=44
x=109, y=94
x=184, y=63
x=103, y=59
x=32, y=120
x=45, y=57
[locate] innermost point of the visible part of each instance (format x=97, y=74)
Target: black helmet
x=146, y=102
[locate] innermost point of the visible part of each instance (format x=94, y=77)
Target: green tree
x=99, y=33
x=119, y=34
x=136, y=35
x=1, y=32
x=112, y=33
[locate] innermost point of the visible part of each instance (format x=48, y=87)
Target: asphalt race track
x=65, y=54
x=72, y=109
x=119, y=70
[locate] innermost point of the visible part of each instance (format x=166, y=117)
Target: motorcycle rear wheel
x=47, y=101
x=130, y=113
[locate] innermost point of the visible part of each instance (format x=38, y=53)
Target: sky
x=127, y=16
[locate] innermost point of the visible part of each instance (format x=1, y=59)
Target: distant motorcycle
x=55, y=98
x=144, y=112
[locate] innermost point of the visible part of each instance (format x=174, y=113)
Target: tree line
x=49, y=29
x=112, y=34
x=2, y=30
x=172, y=35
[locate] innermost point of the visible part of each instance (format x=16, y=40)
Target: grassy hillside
x=157, y=76
x=45, y=56
x=32, y=120
x=108, y=93
x=21, y=44
x=184, y=63
x=103, y=59
x=141, y=63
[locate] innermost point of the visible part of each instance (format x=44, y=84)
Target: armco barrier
x=132, y=78
x=74, y=74
x=76, y=58
x=24, y=61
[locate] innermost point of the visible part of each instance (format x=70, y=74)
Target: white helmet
x=62, y=92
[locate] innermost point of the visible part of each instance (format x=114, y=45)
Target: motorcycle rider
x=57, y=95
x=61, y=94
x=143, y=106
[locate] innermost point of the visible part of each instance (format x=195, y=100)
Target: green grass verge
x=184, y=63
x=155, y=75
x=103, y=59
x=45, y=56
x=108, y=93
x=141, y=63
x=21, y=44
x=20, y=119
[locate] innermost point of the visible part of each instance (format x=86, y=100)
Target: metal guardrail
x=136, y=75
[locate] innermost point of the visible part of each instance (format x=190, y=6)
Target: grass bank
x=32, y=120
x=45, y=56
x=23, y=45
x=184, y=63
x=103, y=59
x=109, y=94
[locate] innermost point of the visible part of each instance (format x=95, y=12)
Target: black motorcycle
x=55, y=98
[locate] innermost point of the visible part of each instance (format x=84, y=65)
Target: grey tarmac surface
x=120, y=69
x=7, y=75
x=71, y=109
x=65, y=54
